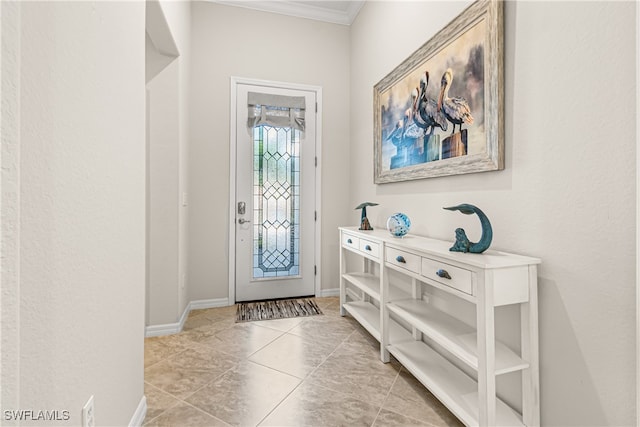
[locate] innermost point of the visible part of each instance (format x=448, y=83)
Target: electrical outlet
x=88, y=415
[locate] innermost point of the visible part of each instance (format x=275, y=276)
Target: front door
x=275, y=201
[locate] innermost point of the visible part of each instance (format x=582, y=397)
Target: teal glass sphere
x=398, y=224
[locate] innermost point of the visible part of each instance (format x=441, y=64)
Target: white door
x=275, y=202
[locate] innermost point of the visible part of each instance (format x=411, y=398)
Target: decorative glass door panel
x=276, y=193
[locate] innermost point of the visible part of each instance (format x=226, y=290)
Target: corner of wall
x=177, y=327
x=170, y=23
x=139, y=415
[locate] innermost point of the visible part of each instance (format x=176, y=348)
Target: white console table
x=487, y=280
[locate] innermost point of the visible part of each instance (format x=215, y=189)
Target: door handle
x=242, y=220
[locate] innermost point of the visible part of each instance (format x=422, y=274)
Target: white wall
x=79, y=225
x=10, y=206
x=231, y=41
x=178, y=15
x=163, y=128
x=168, y=137
x=567, y=194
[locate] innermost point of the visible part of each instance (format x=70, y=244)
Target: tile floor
x=312, y=371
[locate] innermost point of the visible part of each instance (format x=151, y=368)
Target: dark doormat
x=276, y=309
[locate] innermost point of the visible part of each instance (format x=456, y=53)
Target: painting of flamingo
x=440, y=111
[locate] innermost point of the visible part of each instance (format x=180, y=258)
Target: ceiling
x=334, y=11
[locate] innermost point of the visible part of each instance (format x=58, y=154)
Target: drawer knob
x=443, y=273
x=401, y=259
x=367, y=248
x=349, y=241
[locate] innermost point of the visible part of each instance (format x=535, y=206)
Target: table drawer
x=369, y=247
x=403, y=259
x=350, y=241
x=454, y=277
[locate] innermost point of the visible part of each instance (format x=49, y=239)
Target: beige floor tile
x=204, y=332
x=362, y=346
x=293, y=355
x=312, y=405
x=193, y=322
x=185, y=415
x=362, y=343
x=219, y=312
x=332, y=310
x=219, y=371
x=391, y=419
x=155, y=351
x=160, y=348
x=325, y=301
x=245, y=394
x=183, y=374
x=329, y=305
x=324, y=329
x=353, y=369
x=242, y=339
x=157, y=401
x=409, y=397
x=283, y=325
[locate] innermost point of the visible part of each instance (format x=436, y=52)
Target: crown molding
x=354, y=9
x=300, y=9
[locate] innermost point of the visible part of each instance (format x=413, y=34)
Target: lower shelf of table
x=455, y=336
x=370, y=285
x=368, y=316
x=450, y=385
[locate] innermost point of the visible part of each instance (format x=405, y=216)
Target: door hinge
x=316, y=161
x=315, y=215
x=316, y=107
x=315, y=270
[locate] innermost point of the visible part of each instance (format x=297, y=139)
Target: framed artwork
x=440, y=112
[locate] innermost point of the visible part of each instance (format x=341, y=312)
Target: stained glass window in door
x=276, y=202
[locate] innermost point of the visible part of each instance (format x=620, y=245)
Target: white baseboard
x=167, y=328
x=208, y=303
x=174, y=328
x=335, y=292
x=139, y=414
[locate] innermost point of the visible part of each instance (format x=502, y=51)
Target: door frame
x=235, y=81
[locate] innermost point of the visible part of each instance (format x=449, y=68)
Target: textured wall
x=10, y=206
x=168, y=142
x=178, y=15
x=163, y=197
x=81, y=220
x=567, y=194
x=232, y=41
